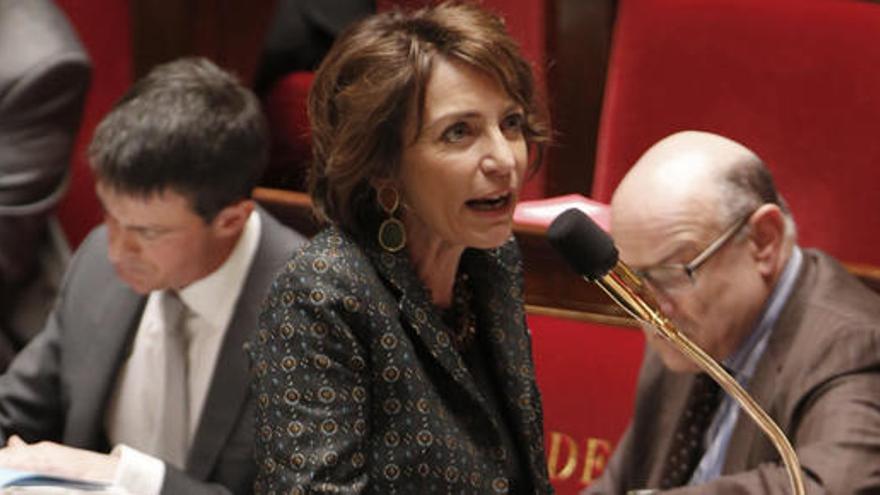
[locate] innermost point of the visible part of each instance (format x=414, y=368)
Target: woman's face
x=460, y=177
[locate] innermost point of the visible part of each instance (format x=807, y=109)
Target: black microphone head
x=583, y=244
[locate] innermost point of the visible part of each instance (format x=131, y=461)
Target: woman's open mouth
x=491, y=203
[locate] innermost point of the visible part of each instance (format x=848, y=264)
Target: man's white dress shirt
x=132, y=416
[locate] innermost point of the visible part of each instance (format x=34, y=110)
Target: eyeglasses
x=675, y=276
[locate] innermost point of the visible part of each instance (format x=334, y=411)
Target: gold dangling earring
x=392, y=233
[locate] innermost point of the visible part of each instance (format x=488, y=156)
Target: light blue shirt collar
x=742, y=365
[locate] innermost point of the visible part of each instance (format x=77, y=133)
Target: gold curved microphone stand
x=617, y=284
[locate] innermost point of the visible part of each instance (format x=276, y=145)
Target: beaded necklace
x=460, y=318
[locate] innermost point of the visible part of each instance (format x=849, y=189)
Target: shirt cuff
x=138, y=472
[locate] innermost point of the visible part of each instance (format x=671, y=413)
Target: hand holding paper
x=58, y=460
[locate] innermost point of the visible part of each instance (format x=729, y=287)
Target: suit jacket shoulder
x=827, y=329
x=819, y=380
x=330, y=272
x=44, y=77
x=36, y=39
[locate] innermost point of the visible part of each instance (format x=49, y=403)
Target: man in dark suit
x=44, y=75
x=175, y=162
x=699, y=217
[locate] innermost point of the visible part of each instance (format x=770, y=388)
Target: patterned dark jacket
x=360, y=390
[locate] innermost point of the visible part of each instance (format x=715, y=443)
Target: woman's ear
x=767, y=238
x=230, y=221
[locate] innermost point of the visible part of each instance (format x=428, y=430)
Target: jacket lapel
x=763, y=388
x=227, y=393
x=420, y=317
x=499, y=293
x=115, y=318
x=229, y=389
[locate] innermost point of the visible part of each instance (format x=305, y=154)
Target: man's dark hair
x=187, y=127
x=748, y=184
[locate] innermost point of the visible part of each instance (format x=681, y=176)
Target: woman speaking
x=393, y=354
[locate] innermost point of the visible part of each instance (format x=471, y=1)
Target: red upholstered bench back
x=796, y=81
x=285, y=107
x=586, y=370
x=587, y=374
x=105, y=29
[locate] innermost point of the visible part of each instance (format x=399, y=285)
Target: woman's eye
x=513, y=123
x=456, y=132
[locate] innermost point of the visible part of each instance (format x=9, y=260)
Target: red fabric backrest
x=587, y=374
x=586, y=371
x=104, y=27
x=527, y=23
x=796, y=81
x=285, y=107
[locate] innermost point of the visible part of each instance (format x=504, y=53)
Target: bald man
x=698, y=216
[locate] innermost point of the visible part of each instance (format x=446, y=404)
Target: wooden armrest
x=869, y=274
x=292, y=208
x=552, y=288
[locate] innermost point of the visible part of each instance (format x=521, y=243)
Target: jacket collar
x=763, y=386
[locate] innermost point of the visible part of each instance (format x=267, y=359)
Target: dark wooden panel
x=552, y=288
x=160, y=32
x=579, y=45
x=292, y=208
x=229, y=32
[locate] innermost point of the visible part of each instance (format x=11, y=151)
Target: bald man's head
x=680, y=199
x=687, y=173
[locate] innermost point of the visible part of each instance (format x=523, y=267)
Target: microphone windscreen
x=583, y=244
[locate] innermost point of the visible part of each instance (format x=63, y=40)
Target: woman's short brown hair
x=367, y=83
